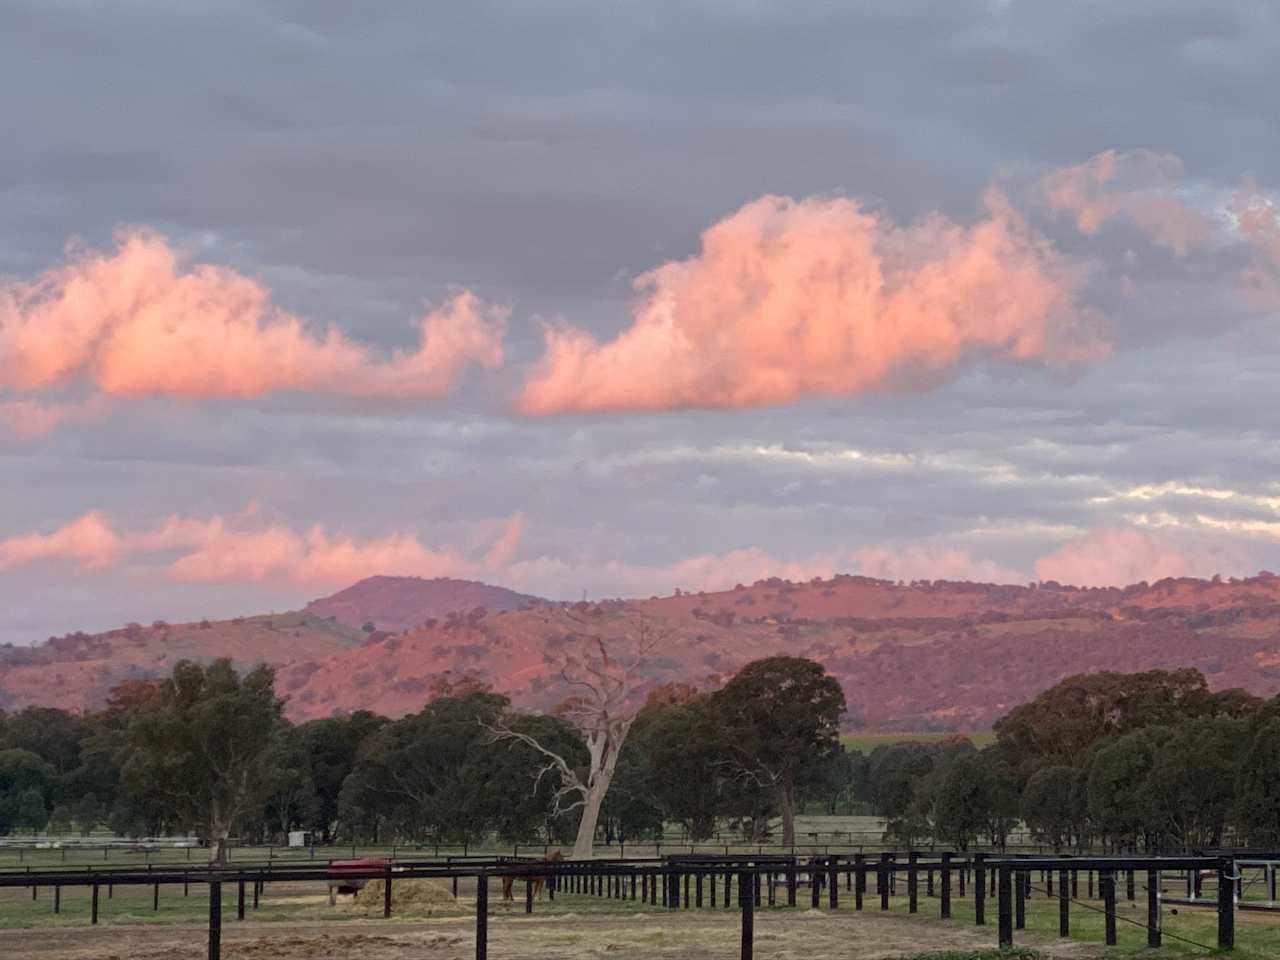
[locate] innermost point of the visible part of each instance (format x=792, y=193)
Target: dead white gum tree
x=602, y=669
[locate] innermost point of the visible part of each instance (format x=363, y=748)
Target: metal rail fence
x=709, y=881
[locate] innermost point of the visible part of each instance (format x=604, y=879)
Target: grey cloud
x=360, y=160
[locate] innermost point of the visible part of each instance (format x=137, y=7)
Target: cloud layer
x=1119, y=556
x=137, y=321
x=246, y=549
x=821, y=297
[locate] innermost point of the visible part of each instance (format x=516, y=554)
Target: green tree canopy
x=200, y=743
x=779, y=715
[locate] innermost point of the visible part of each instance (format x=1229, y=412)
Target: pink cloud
x=137, y=321
x=927, y=561
x=245, y=549
x=1119, y=556
x=1137, y=184
x=1257, y=217
x=557, y=577
x=88, y=541
x=819, y=297
x=278, y=554
x=504, y=548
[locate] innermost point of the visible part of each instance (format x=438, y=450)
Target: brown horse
x=509, y=882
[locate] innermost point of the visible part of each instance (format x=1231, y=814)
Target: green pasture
x=1186, y=932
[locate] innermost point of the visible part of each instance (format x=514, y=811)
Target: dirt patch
x=701, y=936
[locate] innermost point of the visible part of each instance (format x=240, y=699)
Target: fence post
x=386, y=897
x=1064, y=904
x=57, y=898
x=1226, y=905
x=859, y=879
x=528, y=894
x=1020, y=900
x=913, y=882
x=697, y=882
x=1004, y=907
x=93, y=906
x=791, y=885
x=882, y=881
x=833, y=883
x=1153, y=908
x=155, y=897
x=482, y=916
x=746, y=893
x=240, y=899
x=945, y=911
x=980, y=889
x=1107, y=880
x=815, y=884
x=215, y=919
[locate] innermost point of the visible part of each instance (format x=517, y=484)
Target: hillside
x=920, y=656
x=78, y=670
x=400, y=603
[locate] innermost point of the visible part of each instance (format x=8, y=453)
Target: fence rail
x=694, y=880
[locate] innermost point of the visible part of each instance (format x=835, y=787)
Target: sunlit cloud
x=248, y=549
x=1119, y=556
x=1139, y=185
x=790, y=299
x=141, y=321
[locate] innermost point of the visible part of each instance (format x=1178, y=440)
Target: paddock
x=988, y=897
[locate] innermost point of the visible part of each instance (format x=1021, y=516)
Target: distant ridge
x=394, y=604
x=925, y=655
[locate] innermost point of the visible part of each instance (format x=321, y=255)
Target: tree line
x=1152, y=761
x=208, y=751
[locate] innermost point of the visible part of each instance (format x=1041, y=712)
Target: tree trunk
x=787, y=806
x=584, y=845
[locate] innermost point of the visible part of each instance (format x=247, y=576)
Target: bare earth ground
x=811, y=935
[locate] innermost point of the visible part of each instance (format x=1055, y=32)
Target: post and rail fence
x=708, y=881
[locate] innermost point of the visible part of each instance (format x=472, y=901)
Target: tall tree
x=779, y=715
x=1258, y=786
x=681, y=749
x=1122, y=804
x=1054, y=806
x=412, y=775
x=1064, y=723
x=976, y=795
x=332, y=745
x=603, y=668
x=201, y=740
x=1193, y=779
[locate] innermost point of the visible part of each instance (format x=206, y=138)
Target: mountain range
x=911, y=656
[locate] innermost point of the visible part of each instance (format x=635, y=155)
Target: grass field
x=1190, y=932
x=866, y=742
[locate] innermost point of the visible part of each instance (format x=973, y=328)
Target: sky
x=604, y=299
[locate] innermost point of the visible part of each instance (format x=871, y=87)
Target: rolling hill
x=399, y=603
x=920, y=656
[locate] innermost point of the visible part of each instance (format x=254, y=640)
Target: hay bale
x=414, y=897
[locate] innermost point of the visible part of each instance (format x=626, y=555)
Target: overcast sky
x=620, y=298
